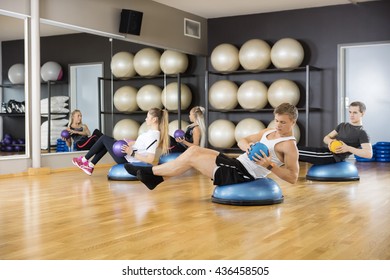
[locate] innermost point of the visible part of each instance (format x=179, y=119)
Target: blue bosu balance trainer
x=263, y=191
x=119, y=173
x=339, y=171
x=168, y=157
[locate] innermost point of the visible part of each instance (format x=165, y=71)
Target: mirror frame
x=27, y=86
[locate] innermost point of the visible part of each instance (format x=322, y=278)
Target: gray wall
x=162, y=26
x=320, y=30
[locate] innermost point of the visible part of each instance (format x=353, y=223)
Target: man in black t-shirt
x=354, y=140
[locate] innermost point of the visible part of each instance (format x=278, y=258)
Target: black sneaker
x=149, y=179
x=131, y=169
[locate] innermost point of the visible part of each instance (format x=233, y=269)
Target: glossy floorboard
x=69, y=215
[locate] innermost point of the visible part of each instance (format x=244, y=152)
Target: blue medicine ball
x=256, y=148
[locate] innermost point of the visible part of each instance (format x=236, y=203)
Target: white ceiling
x=224, y=8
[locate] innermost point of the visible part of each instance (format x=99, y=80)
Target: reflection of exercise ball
x=282, y=91
x=247, y=127
x=170, y=98
x=224, y=58
x=122, y=65
x=125, y=99
x=255, y=54
x=223, y=95
x=296, y=130
x=149, y=96
x=125, y=129
x=173, y=62
x=252, y=95
x=287, y=53
x=174, y=125
x=51, y=71
x=16, y=73
x=221, y=134
x=147, y=62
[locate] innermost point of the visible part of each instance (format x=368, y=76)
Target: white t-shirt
x=146, y=143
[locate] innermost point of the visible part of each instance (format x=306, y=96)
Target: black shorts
x=230, y=171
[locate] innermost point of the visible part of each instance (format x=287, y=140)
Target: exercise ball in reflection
x=281, y=91
x=170, y=96
x=174, y=125
x=149, y=96
x=247, y=127
x=16, y=73
x=255, y=54
x=223, y=95
x=126, y=129
x=224, y=58
x=147, y=62
x=122, y=65
x=221, y=134
x=173, y=62
x=51, y=71
x=125, y=99
x=296, y=130
x=143, y=128
x=252, y=95
x=287, y=53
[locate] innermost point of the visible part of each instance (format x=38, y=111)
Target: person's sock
x=149, y=180
x=91, y=164
x=83, y=159
x=132, y=169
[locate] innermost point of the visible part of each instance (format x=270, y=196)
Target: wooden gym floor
x=69, y=215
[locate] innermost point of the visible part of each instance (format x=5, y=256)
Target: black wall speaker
x=130, y=22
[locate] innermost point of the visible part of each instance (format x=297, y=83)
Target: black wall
x=320, y=31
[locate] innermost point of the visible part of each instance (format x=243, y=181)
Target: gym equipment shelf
x=286, y=72
x=127, y=81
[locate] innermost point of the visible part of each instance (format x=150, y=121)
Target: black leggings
x=101, y=147
x=316, y=155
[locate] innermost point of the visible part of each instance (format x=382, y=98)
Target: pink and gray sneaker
x=87, y=169
x=83, y=165
x=78, y=162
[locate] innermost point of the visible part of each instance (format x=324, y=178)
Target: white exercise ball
x=125, y=99
x=296, y=130
x=51, y=71
x=281, y=91
x=122, y=65
x=149, y=96
x=126, y=129
x=170, y=96
x=223, y=95
x=246, y=127
x=147, y=62
x=224, y=58
x=255, y=54
x=174, y=125
x=143, y=128
x=221, y=134
x=252, y=95
x=16, y=73
x=173, y=62
x=287, y=53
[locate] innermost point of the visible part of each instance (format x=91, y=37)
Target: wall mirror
x=13, y=86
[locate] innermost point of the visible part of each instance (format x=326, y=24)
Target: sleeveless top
x=258, y=171
x=77, y=137
x=189, y=135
